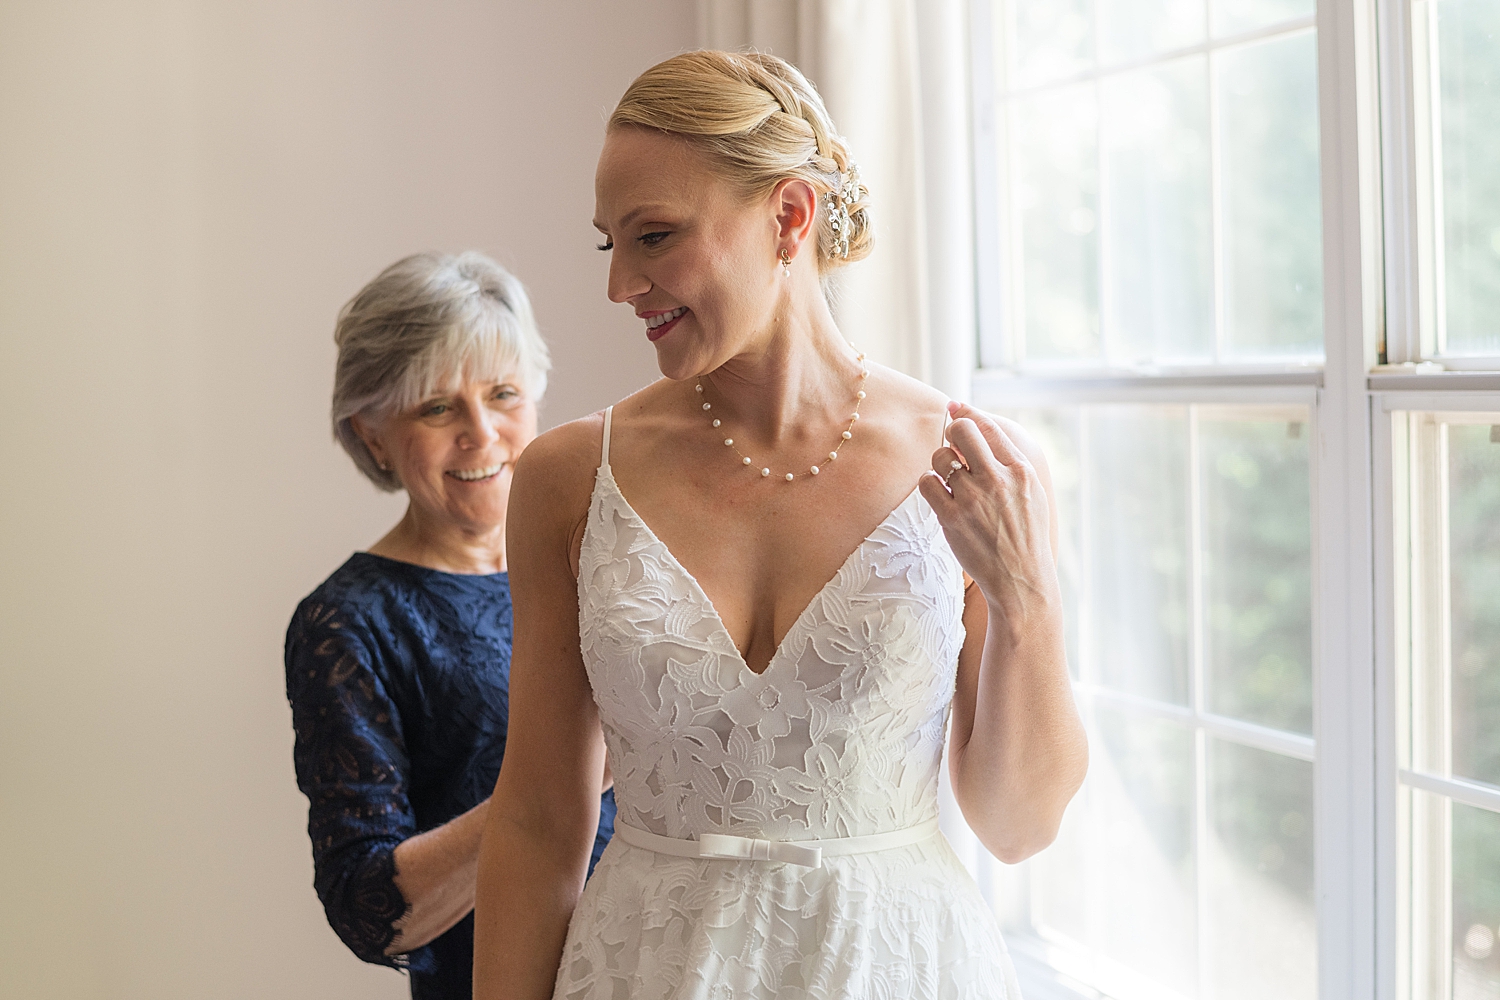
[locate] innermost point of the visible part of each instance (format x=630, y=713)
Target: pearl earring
x=786, y=263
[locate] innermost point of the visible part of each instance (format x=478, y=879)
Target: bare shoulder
x=919, y=408
x=554, y=476
x=646, y=403
x=911, y=393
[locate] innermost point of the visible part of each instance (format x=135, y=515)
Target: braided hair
x=760, y=122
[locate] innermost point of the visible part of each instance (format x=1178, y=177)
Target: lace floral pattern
x=841, y=736
x=399, y=683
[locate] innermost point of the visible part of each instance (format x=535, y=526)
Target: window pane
x=1259, y=925
x=1136, y=29
x=1051, y=40
x=1158, y=214
x=1257, y=567
x=1474, y=560
x=1230, y=17
x=1058, y=201
x=1273, y=269
x=1137, y=541
x=1469, y=83
x=1476, y=903
x=1121, y=877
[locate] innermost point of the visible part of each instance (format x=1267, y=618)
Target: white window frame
x=1379, y=267
x=1374, y=282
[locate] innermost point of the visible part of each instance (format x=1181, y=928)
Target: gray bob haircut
x=425, y=324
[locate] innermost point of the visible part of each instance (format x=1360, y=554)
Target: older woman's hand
x=994, y=508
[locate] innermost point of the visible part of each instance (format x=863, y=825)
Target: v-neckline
x=708, y=602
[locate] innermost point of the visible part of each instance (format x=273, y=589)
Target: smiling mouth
x=658, y=325
x=475, y=475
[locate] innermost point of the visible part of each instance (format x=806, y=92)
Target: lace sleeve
x=351, y=764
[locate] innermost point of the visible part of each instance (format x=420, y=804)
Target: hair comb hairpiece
x=839, y=201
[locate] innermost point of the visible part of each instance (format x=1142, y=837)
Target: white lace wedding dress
x=839, y=738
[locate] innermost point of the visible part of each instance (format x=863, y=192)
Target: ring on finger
x=953, y=468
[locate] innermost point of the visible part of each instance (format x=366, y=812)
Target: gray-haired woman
x=398, y=665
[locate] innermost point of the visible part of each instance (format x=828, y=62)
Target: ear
x=796, y=206
x=372, y=440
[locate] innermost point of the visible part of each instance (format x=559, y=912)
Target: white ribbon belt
x=807, y=853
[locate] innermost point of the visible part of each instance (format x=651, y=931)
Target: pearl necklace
x=847, y=434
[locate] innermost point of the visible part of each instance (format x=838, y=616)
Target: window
x=1239, y=268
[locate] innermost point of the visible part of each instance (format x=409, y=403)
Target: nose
x=479, y=429
x=625, y=281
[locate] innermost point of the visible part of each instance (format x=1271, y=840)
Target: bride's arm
x=542, y=817
x=1018, y=751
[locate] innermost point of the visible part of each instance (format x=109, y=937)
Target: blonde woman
x=756, y=587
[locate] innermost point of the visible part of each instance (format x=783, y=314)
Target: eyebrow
x=629, y=217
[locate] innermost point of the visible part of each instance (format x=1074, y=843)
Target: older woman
x=398, y=665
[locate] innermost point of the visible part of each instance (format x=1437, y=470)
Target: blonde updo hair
x=760, y=121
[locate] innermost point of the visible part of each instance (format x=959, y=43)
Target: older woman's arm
x=435, y=872
x=386, y=889
x=351, y=763
x=543, y=814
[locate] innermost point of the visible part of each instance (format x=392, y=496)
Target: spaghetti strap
x=947, y=419
x=609, y=412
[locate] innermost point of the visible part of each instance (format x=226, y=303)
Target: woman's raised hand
x=992, y=503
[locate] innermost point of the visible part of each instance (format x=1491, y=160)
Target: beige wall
x=188, y=191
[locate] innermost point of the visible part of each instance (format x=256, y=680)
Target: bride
x=757, y=590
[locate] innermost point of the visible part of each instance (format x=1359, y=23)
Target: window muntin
x=1184, y=868
x=1159, y=186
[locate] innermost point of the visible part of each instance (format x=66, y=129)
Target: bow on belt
x=805, y=853
x=723, y=845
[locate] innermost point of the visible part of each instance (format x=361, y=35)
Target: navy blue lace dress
x=399, y=681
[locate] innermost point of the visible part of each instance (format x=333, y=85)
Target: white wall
x=188, y=191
